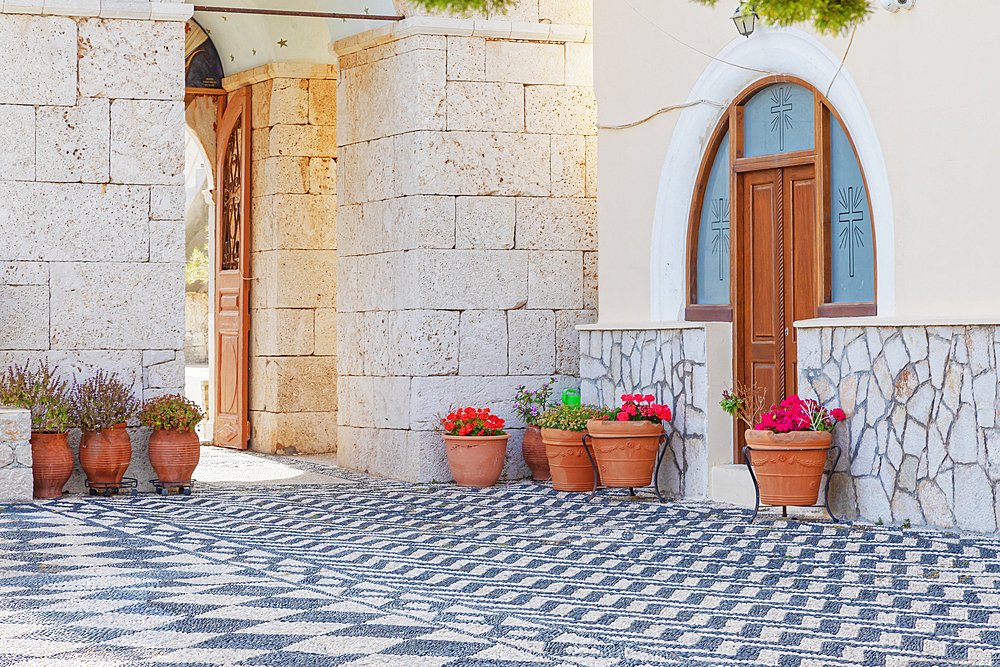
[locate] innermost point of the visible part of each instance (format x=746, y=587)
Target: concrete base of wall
x=732, y=484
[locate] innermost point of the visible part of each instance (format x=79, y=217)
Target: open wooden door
x=232, y=270
x=777, y=278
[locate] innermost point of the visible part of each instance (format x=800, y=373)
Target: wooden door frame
x=229, y=432
x=732, y=122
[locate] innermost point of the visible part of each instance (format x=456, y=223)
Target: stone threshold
x=839, y=322
x=287, y=70
x=641, y=326
x=453, y=27
x=105, y=9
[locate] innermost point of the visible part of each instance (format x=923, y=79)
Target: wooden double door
x=778, y=277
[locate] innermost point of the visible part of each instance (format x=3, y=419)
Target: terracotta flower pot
x=788, y=477
x=533, y=451
x=52, y=463
x=568, y=461
x=105, y=455
x=476, y=460
x=174, y=454
x=625, y=451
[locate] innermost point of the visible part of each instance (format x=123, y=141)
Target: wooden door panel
x=802, y=295
x=777, y=277
x=232, y=268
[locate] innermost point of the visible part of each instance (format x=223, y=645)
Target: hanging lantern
x=744, y=17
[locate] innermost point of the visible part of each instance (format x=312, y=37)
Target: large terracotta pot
x=476, y=460
x=105, y=455
x=788, y=477
x=625, y=451
x=174, y=455
x=568, y=461
x=533, y=451
x=52, y=463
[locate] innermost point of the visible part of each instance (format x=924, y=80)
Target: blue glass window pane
x=713, y=232
x=851, y=248
x=778, y=119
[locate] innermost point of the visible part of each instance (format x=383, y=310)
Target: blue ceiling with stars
x=247, y=41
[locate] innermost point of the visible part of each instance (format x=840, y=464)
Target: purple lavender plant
x=101, y=402
x=41, y=391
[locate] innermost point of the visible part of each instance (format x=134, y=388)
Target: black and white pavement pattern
x=380, y=573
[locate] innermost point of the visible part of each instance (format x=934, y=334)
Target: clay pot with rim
x=174, y=454
x=476, y=461
x=105, y=455
x=51, y=463
x=788, y=477
x=568, y=461
x=625, y=450
x=533, y=450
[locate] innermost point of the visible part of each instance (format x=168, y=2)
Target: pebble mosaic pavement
x=380, y=573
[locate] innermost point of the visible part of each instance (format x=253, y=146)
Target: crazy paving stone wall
x=92, y=194
x=467, y=231
x=293, y=261
x=922, y=438
x=671, y=365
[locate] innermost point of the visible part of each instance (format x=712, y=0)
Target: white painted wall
x=917, y=87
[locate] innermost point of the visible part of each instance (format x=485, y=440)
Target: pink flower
x=622, y=417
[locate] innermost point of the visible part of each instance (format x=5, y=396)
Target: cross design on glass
x=782, y=98
x=852, y=235
x=720, y=240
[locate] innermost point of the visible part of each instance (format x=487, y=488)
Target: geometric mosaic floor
x=379, y=573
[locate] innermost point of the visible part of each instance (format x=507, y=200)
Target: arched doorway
x=780, y=229
x=199, y=210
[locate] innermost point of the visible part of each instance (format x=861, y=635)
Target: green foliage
x=463, y=6
x=168, y=412
x=570, y=417
x=196, y=269
x=828, y=17
x=40, y=391
x=101, y=402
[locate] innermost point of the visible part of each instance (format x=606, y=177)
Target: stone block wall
x=922, y=438
x=467, y=230
x=91, y=190
x=670, y=364
x=293, y=242
x=16, y=482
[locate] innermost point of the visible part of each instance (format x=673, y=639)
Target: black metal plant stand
x=784, y=508
x=163, y=488
x=631, y=489
x=106, y=489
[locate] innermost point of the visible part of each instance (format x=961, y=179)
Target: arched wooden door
x=232, y=270
x=797, y=239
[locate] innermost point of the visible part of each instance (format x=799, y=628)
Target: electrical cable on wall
x=724, y=62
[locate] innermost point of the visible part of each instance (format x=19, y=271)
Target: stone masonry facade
x=16, y=482
x=671, y=365
x=91, y=191
x=922, y=438
x=293, y=262
x=467, y=232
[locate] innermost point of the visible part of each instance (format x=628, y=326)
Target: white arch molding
x=785, y=51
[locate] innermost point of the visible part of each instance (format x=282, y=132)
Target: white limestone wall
x=16, y=480
x=293, y=261
x=91, y=192
x=922, y=438
x=466, y=228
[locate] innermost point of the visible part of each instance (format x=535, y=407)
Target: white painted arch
x=785, y=51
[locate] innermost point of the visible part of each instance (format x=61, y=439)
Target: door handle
x=786, y=332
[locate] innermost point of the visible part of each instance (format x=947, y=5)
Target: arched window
x=782, y=126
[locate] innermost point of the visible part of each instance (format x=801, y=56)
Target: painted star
x=282, y=43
